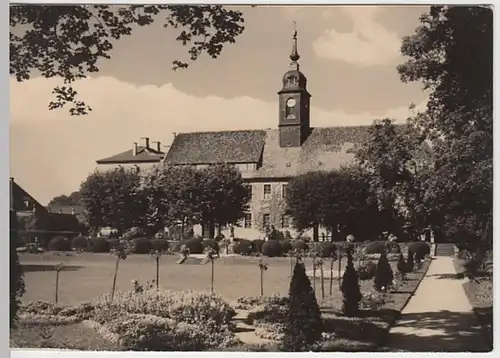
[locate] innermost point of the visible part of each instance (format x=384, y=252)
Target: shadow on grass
x=442, y=331
x=448, y=276
x=48, y=268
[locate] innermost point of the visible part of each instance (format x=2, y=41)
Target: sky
x=348, y=54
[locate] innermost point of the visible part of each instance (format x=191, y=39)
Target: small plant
x=263, y=267
x=59, y=267
x=121, y=254
x=350, y=288
x=410, y=263
x=383, y=274
x=402, y=266
x=303, y=323
x=184, y=251
x=212, y=254
x=157, y=255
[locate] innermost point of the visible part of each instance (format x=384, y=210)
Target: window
x=284, y=189
x=249, y=187
x=285, y=221
x=267, y=191
x=247, y=221
x=266, y=220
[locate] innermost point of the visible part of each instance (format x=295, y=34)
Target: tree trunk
x=182, y=228
x=322, y=282
x=261, y=282
x=314, y=277
x=331, y=276
x=212, y=285
x=340, y=267
x=316, y=233
x=291, y=265
x=114, y=278
x=57, y=286
x=157, y=274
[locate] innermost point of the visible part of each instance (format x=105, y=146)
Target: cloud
x=368, y=43
x=52, y=152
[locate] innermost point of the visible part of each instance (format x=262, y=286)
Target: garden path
x=439, y=317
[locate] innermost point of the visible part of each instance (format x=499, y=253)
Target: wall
x=142, y=166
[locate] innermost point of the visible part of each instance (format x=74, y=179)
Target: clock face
x=291, y=102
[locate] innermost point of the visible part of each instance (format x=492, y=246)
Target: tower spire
x=294, y=56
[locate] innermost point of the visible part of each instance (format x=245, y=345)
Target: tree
x=303, y=325
x=113, y=198
x=62, y=200
x=16, y=280
x=350, y=288
x=59, y=267
x=222, y=196
x=451, y=54
x=262, y=267
x=121, y=254
x=67, y=42
x=393, y=158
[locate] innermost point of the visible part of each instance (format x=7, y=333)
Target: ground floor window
x=247, y=221
x=266, y=220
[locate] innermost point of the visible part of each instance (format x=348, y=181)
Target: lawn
x=87, y=276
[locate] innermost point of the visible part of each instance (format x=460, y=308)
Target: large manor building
x=267, y=158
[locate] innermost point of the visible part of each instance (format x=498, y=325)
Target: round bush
x=98, y=245
x=378, y=247
x=195, y=246
x=113, y=243
x=286, y=246
x=325, y=249
x=243, y=247
x=271, y=248
x=212, y=244
x=79, y=243
x=300, y=245
x=257, y=246
x=59, y=243
x=159, y=245
x=420, y=249
x=141, y=245
x=367, y=270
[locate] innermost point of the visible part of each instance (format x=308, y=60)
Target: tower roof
x=293, y=79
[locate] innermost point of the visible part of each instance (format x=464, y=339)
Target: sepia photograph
x=251, y=178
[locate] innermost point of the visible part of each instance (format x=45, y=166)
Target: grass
x=480, y=295
x=87, y=276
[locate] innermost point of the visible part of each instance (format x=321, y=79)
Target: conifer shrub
x=303, y=323
x=271, y=248
x=383, y=274
x=402, y=265
x=350, y=289
x=410, y=262
x=16, y=281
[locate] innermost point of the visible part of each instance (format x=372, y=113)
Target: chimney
x=146, y=142
x=158, y=145
x=175, y=134
x=134, y=149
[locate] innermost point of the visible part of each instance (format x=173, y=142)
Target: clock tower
x=294, y=101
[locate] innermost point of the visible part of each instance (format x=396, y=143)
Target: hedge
x=300, y=245
x=98, y=245
x=286, y=246
x=59, y=243
x=257, y=246
x=79, y=243
x=378, y=247
x=243, y=247
x=271, y=248
x=324, y=249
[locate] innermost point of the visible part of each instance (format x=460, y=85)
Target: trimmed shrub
x=420, y=249
x=212, y=244
x=324, y=249
x=300, y=245
x=286, y=246
x=140, y=245
x=378, y=247
x=243, y=247
x=59, y=243
x=303, y=324
x=113, y=243
x=98, y=245
x=402, y=265
x=367, y=270
x=383, y=274
x=271, y=248
x=257, y=246
x=160, y=245
x=79, y=243
x=273, y=235
x=195, y=245
x=410, y=262
x=350, y=289
x=16, y=281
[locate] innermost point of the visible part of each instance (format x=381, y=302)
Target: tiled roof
x=143, y=155
x=326, y=148
x=243, y=146
x=20, y=200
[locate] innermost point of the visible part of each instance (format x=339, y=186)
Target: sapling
x=320, y=264
x=211, y=255
x=314, y=265
x=263, y=267
x=58, y=268
x=157, y=254
x=121, y=254
x=402, y=266
x=332, y=261
x=340, y=265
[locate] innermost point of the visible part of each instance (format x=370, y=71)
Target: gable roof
x=143, y=155
x=20, y=200
x=242, y=146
